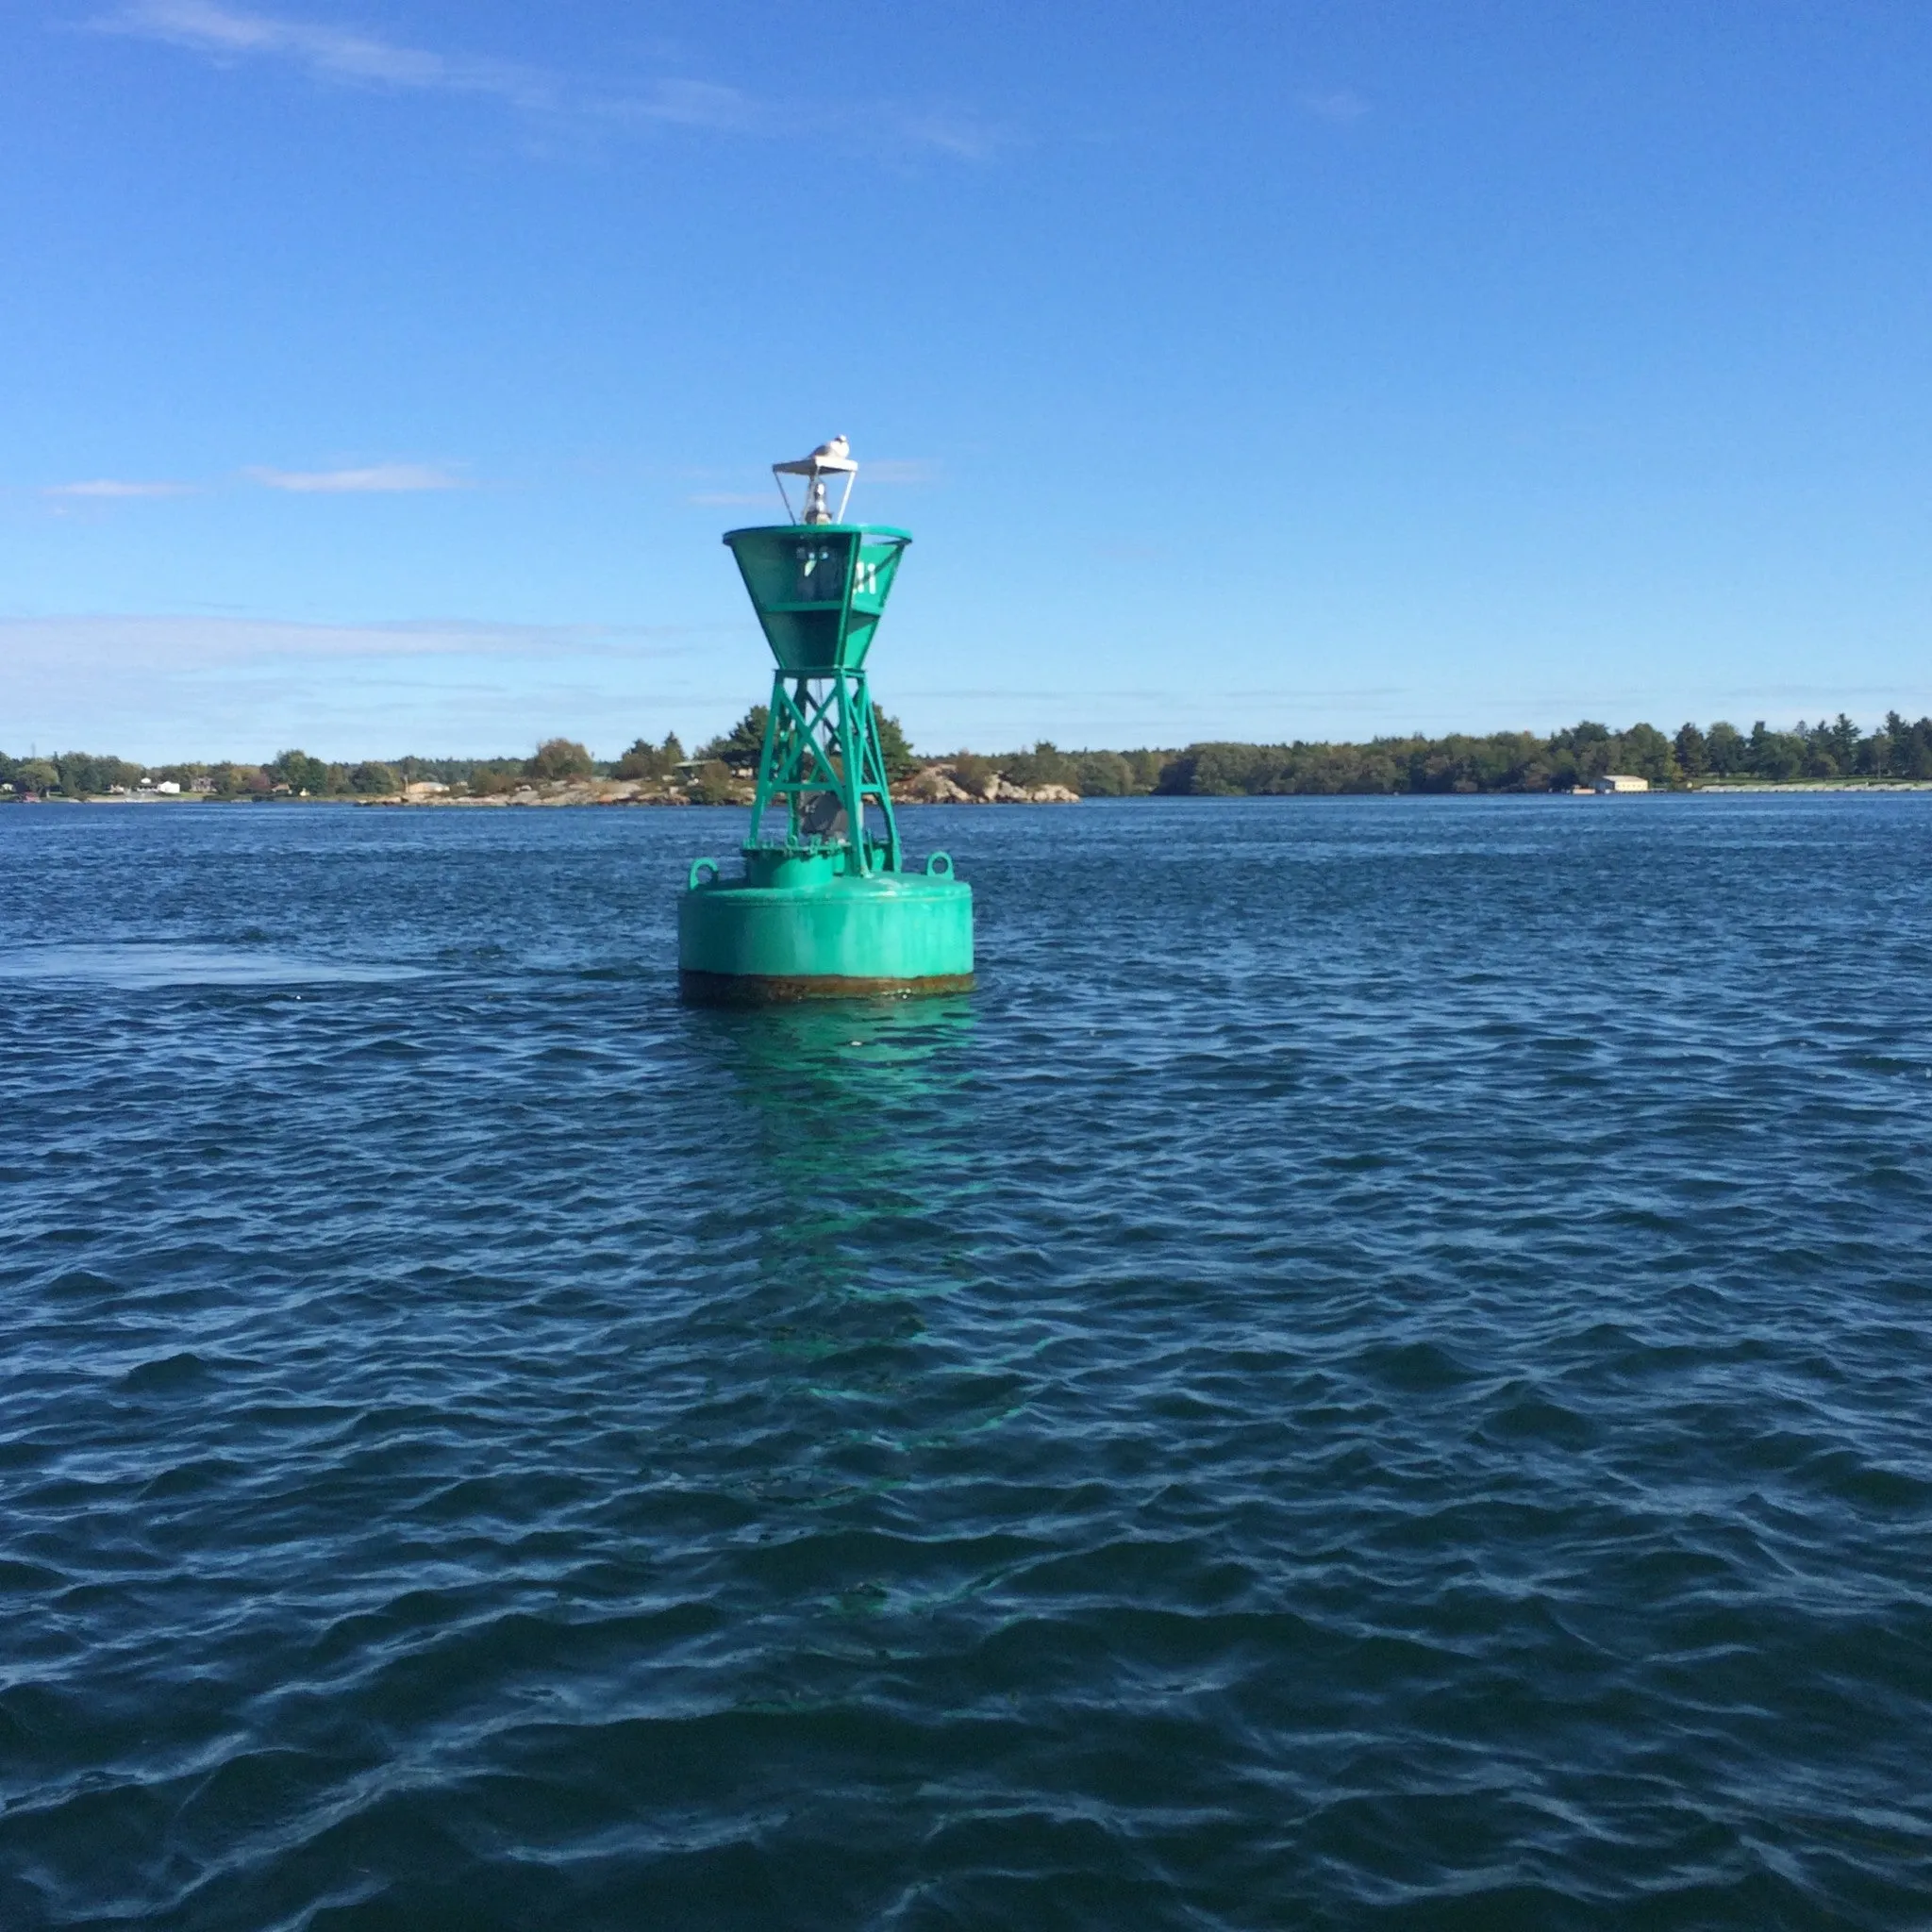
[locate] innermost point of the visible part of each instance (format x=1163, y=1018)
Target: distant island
x=561, y=771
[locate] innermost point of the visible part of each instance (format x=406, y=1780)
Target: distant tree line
x=1091, y=774
x=1503, y=761
x=297, y=774
x=1521, y=761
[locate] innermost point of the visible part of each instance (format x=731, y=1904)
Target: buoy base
x=888, y=935
x=763, y=988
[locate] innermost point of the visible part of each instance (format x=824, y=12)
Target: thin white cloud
x=109, y=487
x=328, y=53
x=963, y=136
x=1342, y=105
x=380, y=478
x=230, y=34
x=689, y=103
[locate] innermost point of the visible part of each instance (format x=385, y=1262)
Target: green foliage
x=485, y=777
x=1578, y=755
x=743, y=743
x=647, y=760
x=1840, y=740
x=893, y=748
x=711, y=783
x=1224, y=771
x=973, y=773
x=1103, y=774
x=1908, y=747
x=559, y=758
x=1518, y=761
x=1646, y=753
x=299, y=773
x=369, y=780
x=90, y=774
x=1091, y=774
x=1776, y=755
x=236, y=781
x=1045, y=764
x=1726, y=750
x=1500, y=761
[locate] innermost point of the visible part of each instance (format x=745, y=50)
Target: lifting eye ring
x=938, y=865
x=699, y=869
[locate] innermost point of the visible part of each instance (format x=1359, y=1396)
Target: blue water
x=1378, y=1374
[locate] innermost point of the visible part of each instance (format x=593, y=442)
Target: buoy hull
x=892, y=935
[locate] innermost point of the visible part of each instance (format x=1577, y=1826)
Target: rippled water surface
x=1376, y=1374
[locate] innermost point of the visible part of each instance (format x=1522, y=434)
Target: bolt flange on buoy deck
x=824, y=906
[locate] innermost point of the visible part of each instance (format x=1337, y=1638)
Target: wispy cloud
x=231, y=35
x=379, y=480
x=329, y=53
x=109, y=487
x=965, y=136
x=688, y=104
x=1341, y=105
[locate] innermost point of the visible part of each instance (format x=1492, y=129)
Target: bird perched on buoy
x=833, y=456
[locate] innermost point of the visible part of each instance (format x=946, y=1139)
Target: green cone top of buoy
x=823, y=905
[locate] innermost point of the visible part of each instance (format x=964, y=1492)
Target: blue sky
x=379, y=376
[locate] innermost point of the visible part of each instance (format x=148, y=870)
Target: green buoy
x=824, y=907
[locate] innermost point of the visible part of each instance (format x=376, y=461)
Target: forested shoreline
x=1518, y=761
x=1521, y=761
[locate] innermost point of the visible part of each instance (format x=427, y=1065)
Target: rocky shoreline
x=931, y=785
